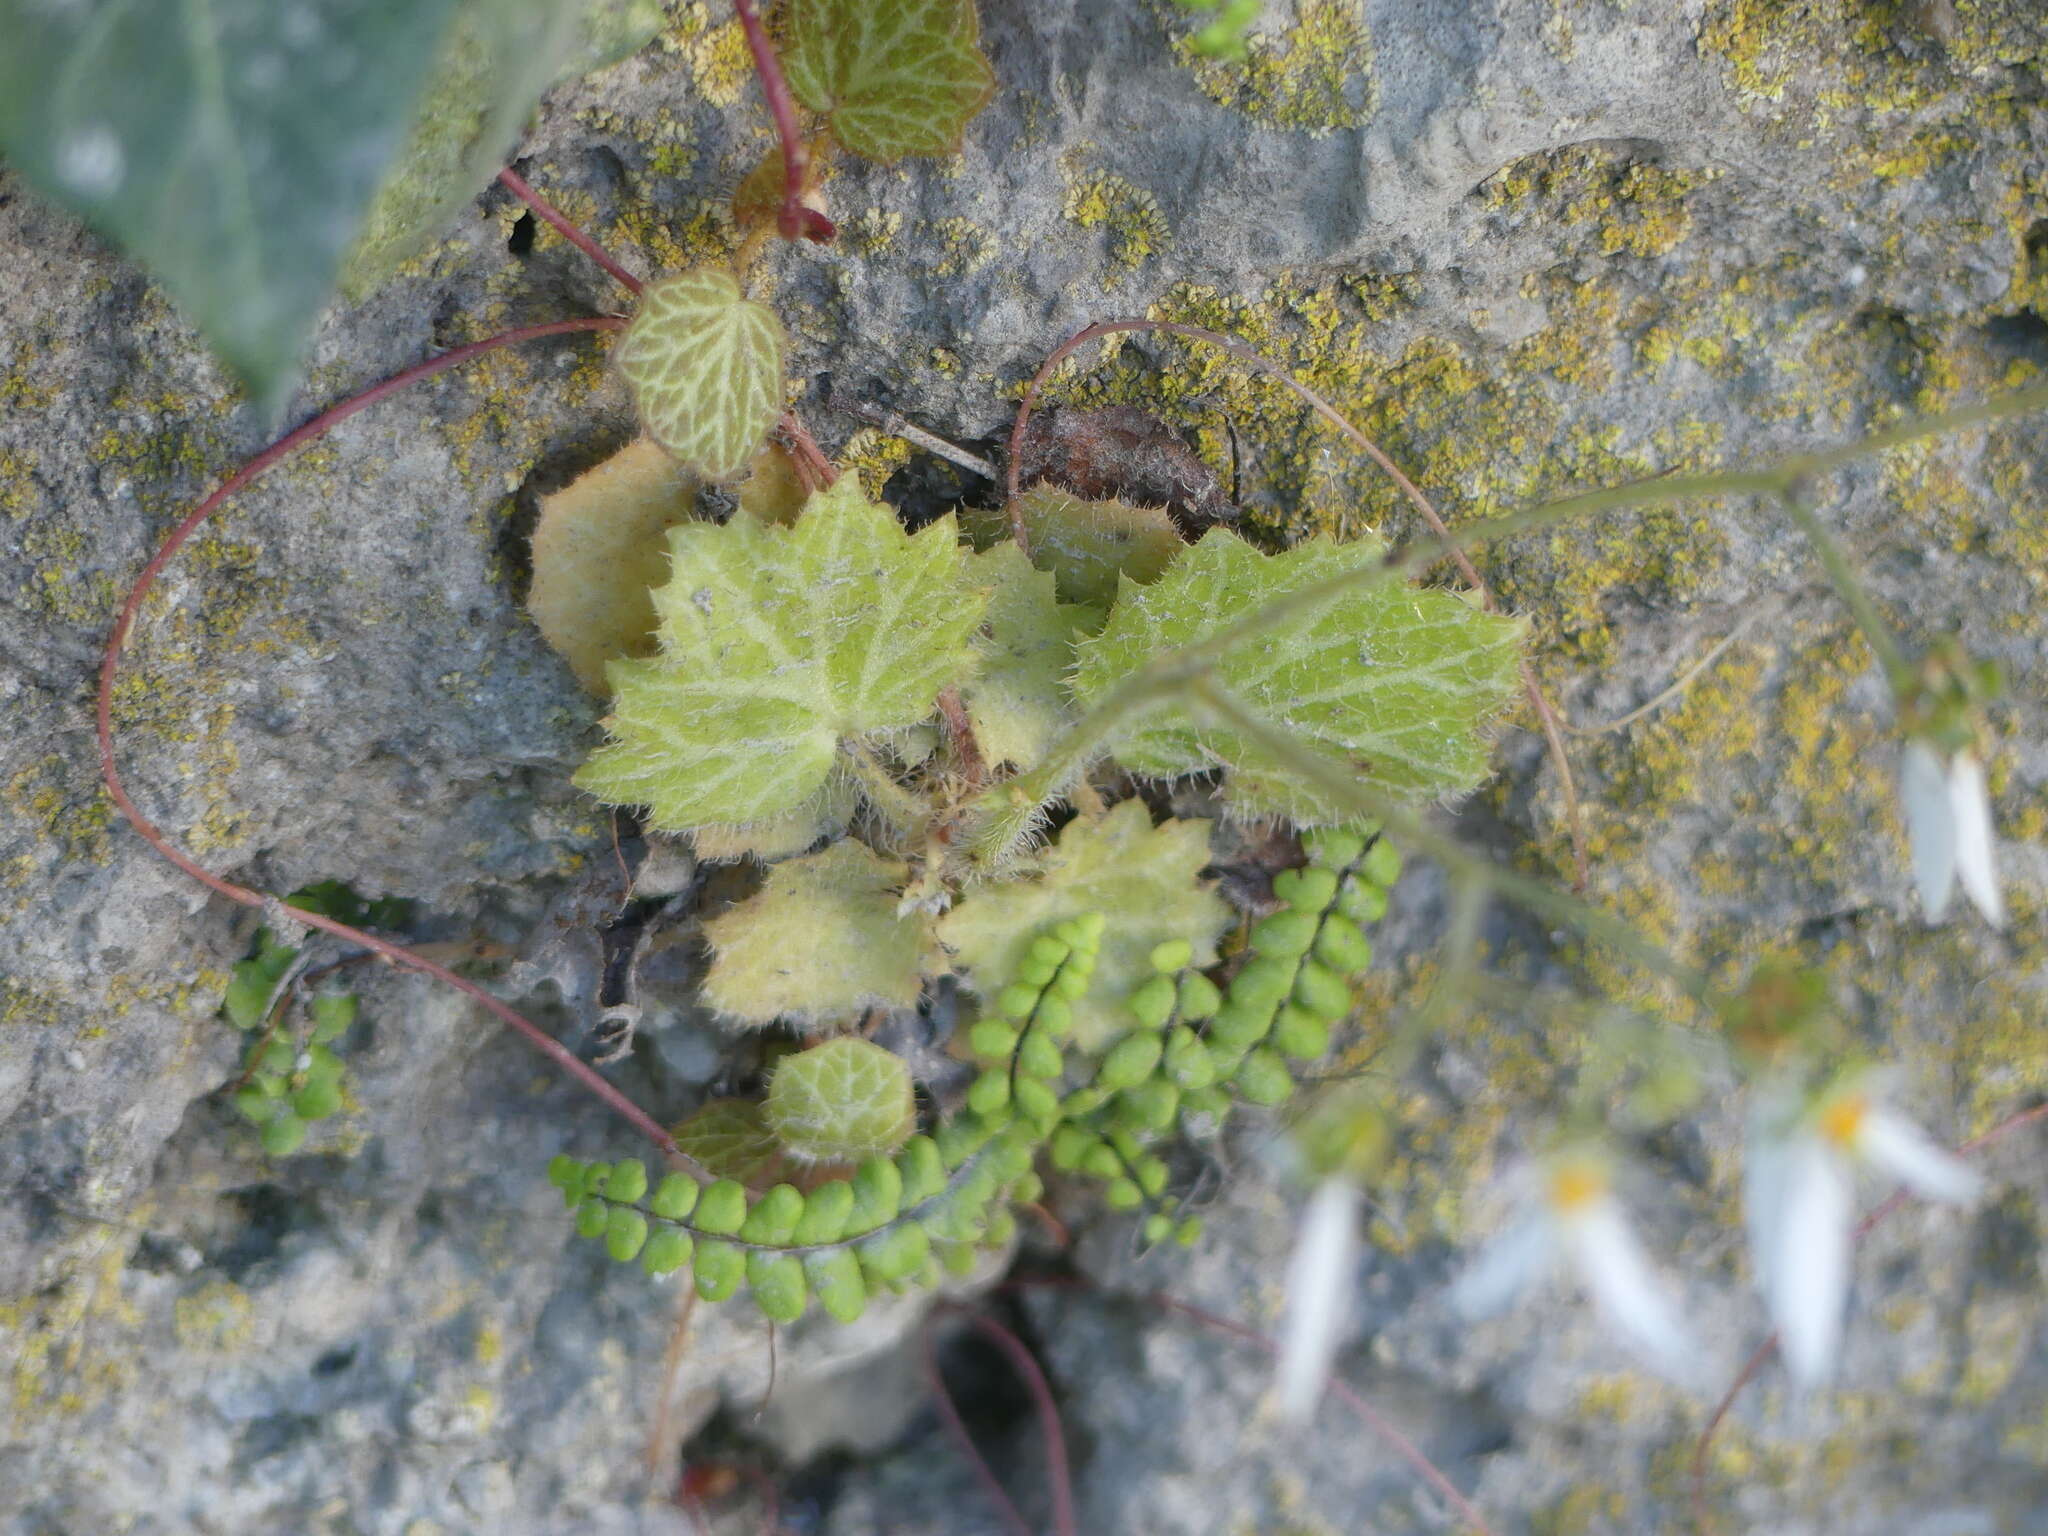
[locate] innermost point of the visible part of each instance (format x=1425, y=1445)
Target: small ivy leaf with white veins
x=819, y=943
x=841, y=1102
x=893, y=77
x=1018, y=700
x=1395, y=679
x=778, y=645
x=1144, y=878
x=704, y=363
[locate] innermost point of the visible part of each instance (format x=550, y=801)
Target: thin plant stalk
x=567, y=228
x=794, y=221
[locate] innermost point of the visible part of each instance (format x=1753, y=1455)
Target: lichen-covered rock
x=1529, y=246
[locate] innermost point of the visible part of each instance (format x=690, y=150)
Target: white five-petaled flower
x=1576, y=1215
x=1948, y=821
x=1799, y=1192
x=1319, y=1278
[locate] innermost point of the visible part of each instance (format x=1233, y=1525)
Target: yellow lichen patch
x=716, y=51
x=871, y=232
x=17, y=490
x=1639, y=209
x=1136, y=227
x=69, y=810
x=1314, y=78
x=217, y=1318
x=964, y=247
x=874, y=456
x=58, y=1337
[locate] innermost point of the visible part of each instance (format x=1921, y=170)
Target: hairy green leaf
x=1395, y=679
x=1085, y=544
x=231, y=145
x=777, y=645
x=1018, y=700
x=840, y=1102
x=1144, y=878
x=893, y=77
x=826, y=814
x=704, y=363
x=497, y=59
x=819, y=942
x=729, y=1137
x=600, y=549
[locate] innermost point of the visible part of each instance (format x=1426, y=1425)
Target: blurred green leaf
x=230, y=145
x=498, y=58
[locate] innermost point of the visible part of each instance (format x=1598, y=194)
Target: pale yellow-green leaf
x=1394, y=679
x=777, y=646
x=599, y=549
x=826, y=814
x=1086, y=545
x=819, y=943
x=1144, y=879
x=704, y=363
x=1018, y=701
x=893, y=77
x=841, y=1102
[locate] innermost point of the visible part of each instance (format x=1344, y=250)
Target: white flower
x=1799, y=1194
x=1948, y=821
x=1319, y=1278
x=1577, y=1215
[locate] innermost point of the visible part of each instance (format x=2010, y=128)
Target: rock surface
x=1529, y=245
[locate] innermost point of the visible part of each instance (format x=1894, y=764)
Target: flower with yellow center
x=1575, y=1214
x=1799, y=1200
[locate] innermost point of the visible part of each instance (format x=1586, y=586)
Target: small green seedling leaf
x=820, y=942
x=777, y=645
x=840, y=1102
x=1018, y=700
x=1086, y=545
x=729, y=1137
x=1122, y=864
x=893, y=77
x=333, y=1013
x=1396, y=680
x=705, y=366
x=232, y=146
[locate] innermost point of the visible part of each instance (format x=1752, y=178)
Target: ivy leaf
x=1141, y=877
x=1398, y=680
x=231, y=146
x=893, y=77
x=599, y=550
x=731, y=1140
x=705, y=367
x=1086, y=545
x=841, y=1102
x=1018, y=700
x=777, y=645
x=819, y=943
x=497, y=59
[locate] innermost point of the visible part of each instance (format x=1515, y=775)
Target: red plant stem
x=271, y=906
x=812, y=467
x=1892, y=1202
x=794, y=221
x=1545, y=714
x=1049, y=1425
x=569, y=229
